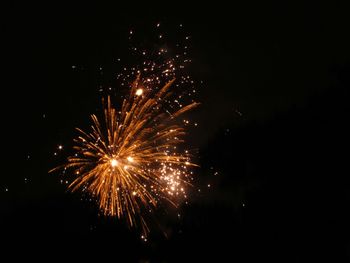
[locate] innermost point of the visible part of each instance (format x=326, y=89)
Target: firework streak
x=131, y=160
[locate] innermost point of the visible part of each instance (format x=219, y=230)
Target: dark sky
x=281, y=193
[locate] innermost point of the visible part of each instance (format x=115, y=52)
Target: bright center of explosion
x=139, y=92
x=114, y=162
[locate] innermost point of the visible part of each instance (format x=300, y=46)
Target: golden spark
x=130, y=162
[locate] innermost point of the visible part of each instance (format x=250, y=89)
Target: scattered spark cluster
x=132, y=161
x=159, y=64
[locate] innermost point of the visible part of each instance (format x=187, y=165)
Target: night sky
x=272, y=141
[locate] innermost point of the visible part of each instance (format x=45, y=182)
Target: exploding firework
x=131, y=162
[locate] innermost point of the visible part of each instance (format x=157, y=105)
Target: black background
x=281, y=193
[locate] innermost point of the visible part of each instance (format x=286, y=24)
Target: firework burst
x=131, y=161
